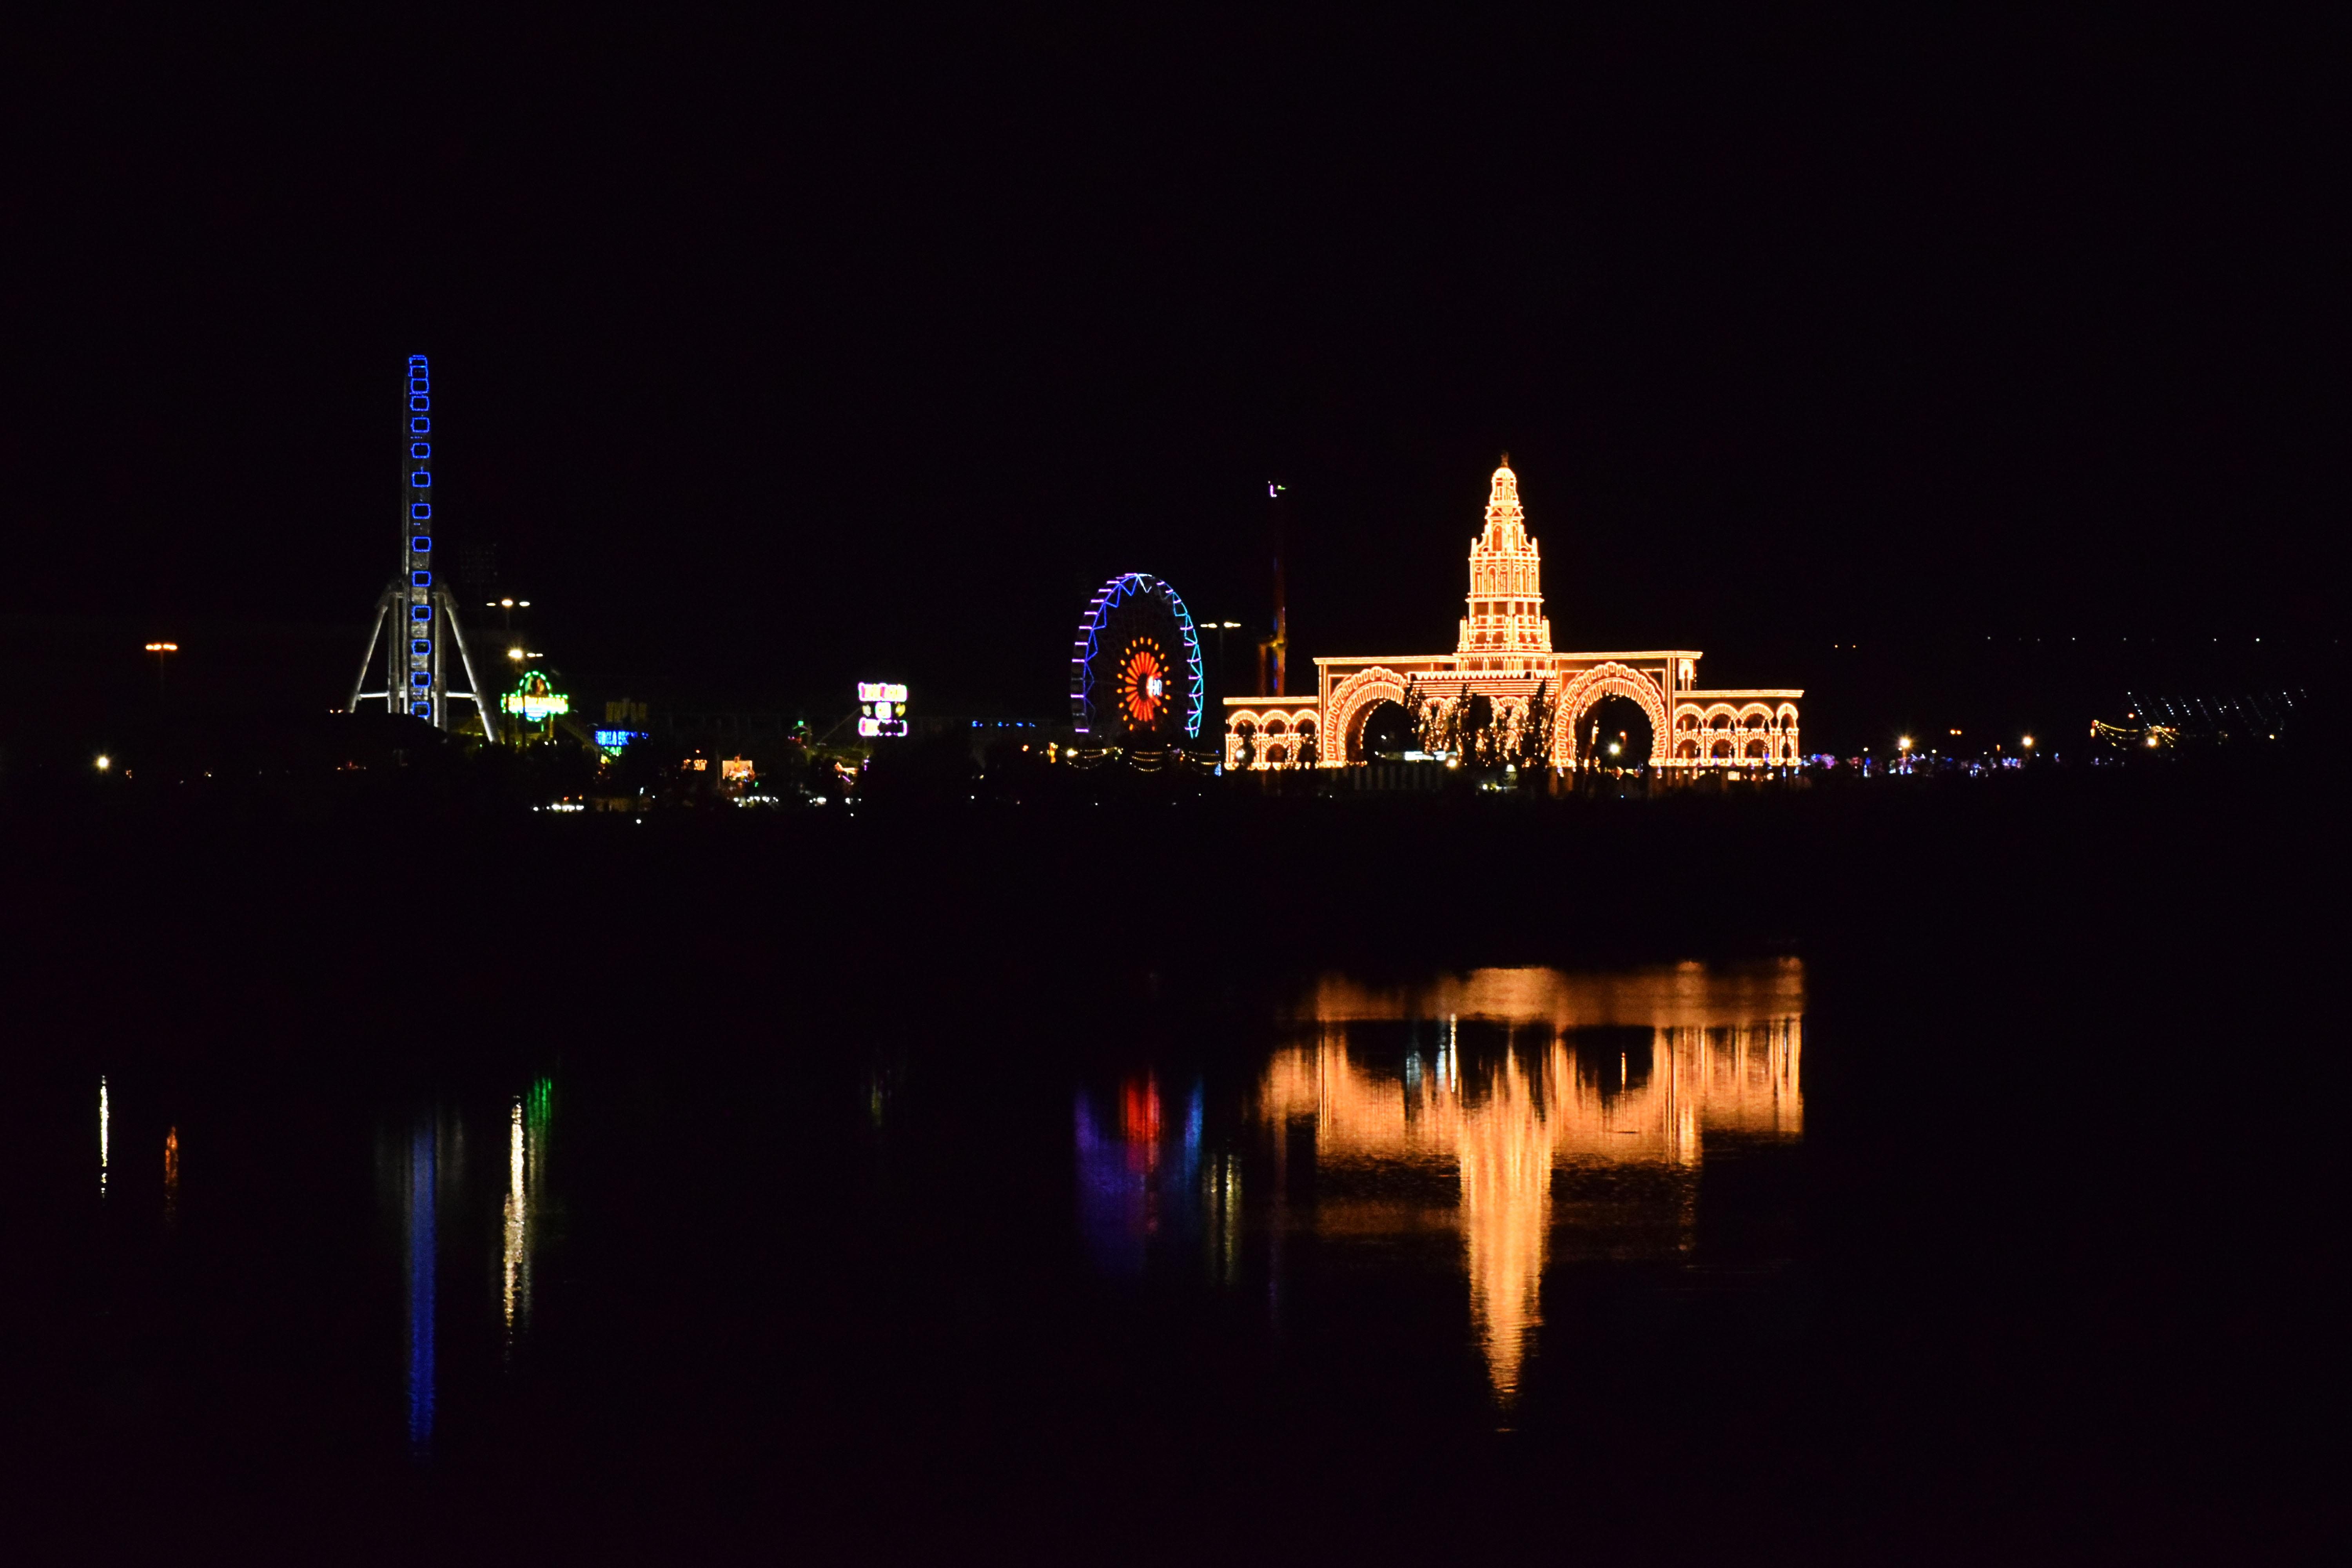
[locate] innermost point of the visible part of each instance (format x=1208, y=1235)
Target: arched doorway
x=1588, y=689
x=1388, y=733
x=1624, y=724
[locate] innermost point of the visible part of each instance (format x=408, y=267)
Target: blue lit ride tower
x=415, y=613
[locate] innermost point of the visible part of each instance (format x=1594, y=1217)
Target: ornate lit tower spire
x=1506, y=624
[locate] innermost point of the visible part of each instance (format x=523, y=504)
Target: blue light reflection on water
x=422, y=1260
x=1138, y=1184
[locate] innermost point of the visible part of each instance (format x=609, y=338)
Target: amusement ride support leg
x=383, y=608
x=482, y=708
x=440, y=686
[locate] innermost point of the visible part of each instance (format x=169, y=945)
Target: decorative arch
x=1610, y=680
x=1353, y=702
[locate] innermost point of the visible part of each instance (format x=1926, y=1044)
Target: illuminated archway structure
x=1503, y=652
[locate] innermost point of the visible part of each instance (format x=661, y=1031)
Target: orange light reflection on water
x=1724, y=1049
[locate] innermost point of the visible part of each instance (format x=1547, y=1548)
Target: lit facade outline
x=1503, y=651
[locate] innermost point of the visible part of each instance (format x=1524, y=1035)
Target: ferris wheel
x=1135, y=671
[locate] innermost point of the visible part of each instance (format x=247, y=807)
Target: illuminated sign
x=881, y=708
x=617, y=741
x=735, y=770
x=535, y=699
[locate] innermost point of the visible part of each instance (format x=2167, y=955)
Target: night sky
x=773, y=360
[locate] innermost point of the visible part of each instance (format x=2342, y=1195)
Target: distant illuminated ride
x=1135, y=669
x=412, y=615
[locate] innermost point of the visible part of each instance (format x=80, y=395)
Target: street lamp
x=1221, y=628
x=162, y=650
x=509, y=606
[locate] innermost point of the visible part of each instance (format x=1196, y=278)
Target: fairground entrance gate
x=1505, y=654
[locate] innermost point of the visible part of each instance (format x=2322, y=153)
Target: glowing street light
x=1905, y=743
x=1222, y=627
x=105, y=762
x=2029, y=743
x=162, y=650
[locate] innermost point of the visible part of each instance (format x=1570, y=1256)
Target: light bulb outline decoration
x=1122, y=613
x=1142, y=683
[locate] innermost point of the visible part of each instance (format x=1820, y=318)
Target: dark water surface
x=2003, y=1243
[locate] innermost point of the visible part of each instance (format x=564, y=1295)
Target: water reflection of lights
x=1220, y=1193
x=518, y=1257
x=104, y=1118
x=1138, y=1182
x=1555, y=1106
x=419, y=1233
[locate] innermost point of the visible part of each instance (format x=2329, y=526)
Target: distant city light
x=514, y=653
x=105, y=762
x=616, y=741
x=2029, y=740
x=162, y=647
x=1905, y=743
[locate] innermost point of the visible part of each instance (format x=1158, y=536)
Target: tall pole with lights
x=413, y=614
x=1274, y=653
x=162, y=650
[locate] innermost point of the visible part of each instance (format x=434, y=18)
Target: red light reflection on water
x=1139, y=1182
